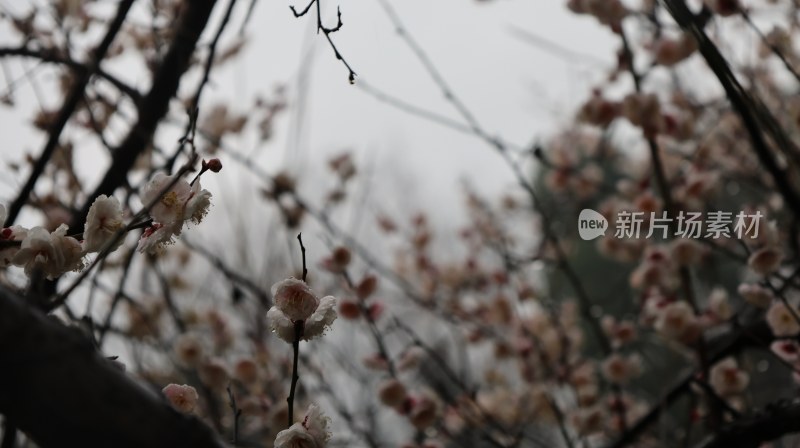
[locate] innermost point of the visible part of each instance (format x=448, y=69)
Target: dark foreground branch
x=750, y=432
x=57, y=389
x=719, y=347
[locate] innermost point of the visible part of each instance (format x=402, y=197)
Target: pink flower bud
x=376, y=310
x=366, y=287
x=392, y=392
x=349, y=309
x=246, y=371
x=183, y=398
x=423, y=412
x=213, y=165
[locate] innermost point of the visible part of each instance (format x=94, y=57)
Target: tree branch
x=70, y=104
x=750, y=432
x=155, y=104
x=60, y=391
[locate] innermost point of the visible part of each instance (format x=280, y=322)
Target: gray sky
x=516, y=90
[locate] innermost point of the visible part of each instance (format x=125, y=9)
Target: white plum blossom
x=102, y=223
x=198, y=204
x=182, y=202
x=157, y=236
x=782, y=321
x=13, y=233
x=51, y=253
x=295, y=302
x=294, y=298
x=727, y=378
x=678, y=321
x=169, y=205
x=311, y=432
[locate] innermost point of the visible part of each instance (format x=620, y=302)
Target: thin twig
x=303, y=252
x=298, y=333
x=236, y=414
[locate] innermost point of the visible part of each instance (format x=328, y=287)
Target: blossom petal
x=322, y=318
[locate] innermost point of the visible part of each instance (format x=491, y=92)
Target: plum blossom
x=13, y=233
x=295, y=302
x=756, y=294
x=727, y=379
x=718, y=305
x=182, y=202
x=787, y=350
x=782, y=321
x=294, y=298
x=53, y=253
x=619, y=369
x=678, y=321
x=766, y=260
x=423, y=411
x=392, y=392
x=182, y=397
x=312, y=432
x=102, y=223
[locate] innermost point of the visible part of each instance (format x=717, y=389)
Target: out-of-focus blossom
x=311, y=432
x=367, y=287
x=214, y=374
x=392, y=392
x=678, y=321
x=246, y=370
x=766, y=260
x=727, y=378
x=620, y=333
x=102, y=223
x=410, y=358
x=189, y=350
x=349, y=309
x=669, y=52
x=782, y=321
x=724, y=8
x=755, y=294
x=588, y=420
x=423, y=411
x=13, y=233
x=787, y=350
x=719, y=306
x=620, y=369
x=182, y=397
x=376, y=362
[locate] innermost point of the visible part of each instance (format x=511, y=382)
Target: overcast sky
x=516, y=90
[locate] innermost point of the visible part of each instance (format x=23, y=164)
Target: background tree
x=131, y=314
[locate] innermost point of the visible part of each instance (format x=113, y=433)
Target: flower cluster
x=311, y=432
x=296, y=304
x=55, y=253
x=175, y=202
